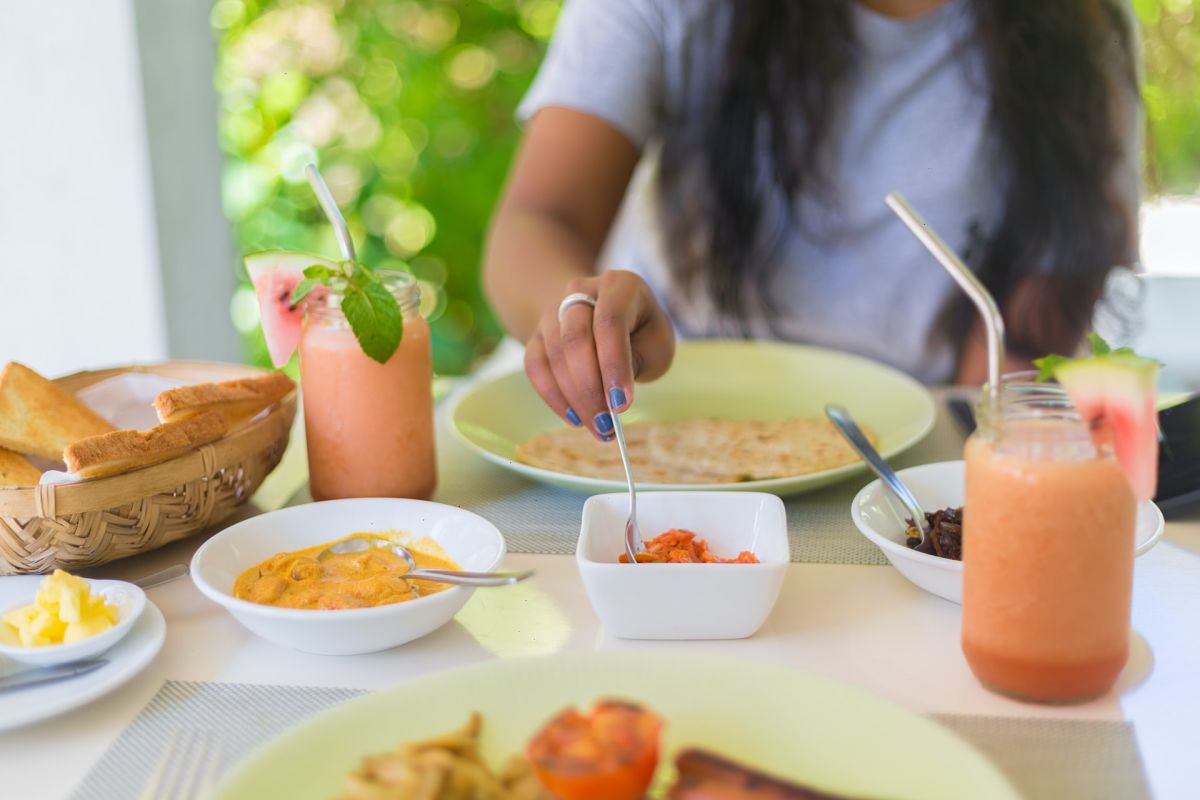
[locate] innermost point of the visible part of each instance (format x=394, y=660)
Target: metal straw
x=329, y=205
x=993, y=323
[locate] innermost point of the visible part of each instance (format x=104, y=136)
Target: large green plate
x=802, y=727
x=728, y=379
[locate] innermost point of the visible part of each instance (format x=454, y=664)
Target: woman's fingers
x=584, y=361
x=586, y=406
x=579, y=350
x=537, y=367
x=634, y=339
x=653, y=343
x=612, y=322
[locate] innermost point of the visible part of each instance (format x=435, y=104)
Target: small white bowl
x=685, y=601
x=880, y=517
x=130, y=602
x=470, y=540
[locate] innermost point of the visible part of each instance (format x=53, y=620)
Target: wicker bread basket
x=77, y=525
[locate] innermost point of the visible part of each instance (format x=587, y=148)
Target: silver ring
x=573, y=299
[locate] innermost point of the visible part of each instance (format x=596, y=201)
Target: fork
x=633, y=537
x=187, y=768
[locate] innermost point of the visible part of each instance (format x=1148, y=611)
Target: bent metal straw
x=993, y=323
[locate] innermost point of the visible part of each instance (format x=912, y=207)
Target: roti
x=697, y=451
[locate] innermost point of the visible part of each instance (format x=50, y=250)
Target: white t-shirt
x=913, y=120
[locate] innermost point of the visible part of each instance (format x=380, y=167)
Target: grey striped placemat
x=1058, y=759
x=1045, y=759
x=240, y=716
x=544, y=520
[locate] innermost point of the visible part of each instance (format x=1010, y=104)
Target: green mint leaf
x=1099, y=346
x=1048, y=365
x=374, y=316
x=302, y=289
x=319, y=272
x=361, y=275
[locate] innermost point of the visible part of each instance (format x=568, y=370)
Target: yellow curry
x=350, y=580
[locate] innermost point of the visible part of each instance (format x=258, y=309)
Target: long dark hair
x=1053, y=70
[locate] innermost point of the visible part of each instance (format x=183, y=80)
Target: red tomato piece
x=608, y=754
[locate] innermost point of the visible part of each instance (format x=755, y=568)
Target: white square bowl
x=685, y=601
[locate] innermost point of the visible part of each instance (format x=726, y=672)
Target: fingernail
x=604, y=422
x=616, y=398
x=608, y=437
x=573, y=418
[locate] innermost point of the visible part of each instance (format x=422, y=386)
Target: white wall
x=78, y=252
x=198, y=261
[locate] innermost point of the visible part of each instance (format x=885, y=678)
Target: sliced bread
x=40, y=418
x=122, y=451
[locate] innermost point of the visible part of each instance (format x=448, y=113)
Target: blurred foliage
x=407, y=107
x=1171, y=91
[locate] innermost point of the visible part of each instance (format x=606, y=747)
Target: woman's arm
x=568, y=181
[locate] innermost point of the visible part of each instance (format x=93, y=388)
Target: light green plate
x=727, y=379
x=802, y=727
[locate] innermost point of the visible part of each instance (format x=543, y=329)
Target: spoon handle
x=849, y=428
x=470, y=578
x=632, y=537
x=162, y=576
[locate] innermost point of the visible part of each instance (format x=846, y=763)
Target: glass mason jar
x=1048, y=542
x=369, y=425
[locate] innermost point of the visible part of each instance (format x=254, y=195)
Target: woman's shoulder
x=662, y=19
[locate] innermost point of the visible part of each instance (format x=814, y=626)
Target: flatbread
x=696, y=451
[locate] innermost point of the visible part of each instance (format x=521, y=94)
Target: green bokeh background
x=407, y=106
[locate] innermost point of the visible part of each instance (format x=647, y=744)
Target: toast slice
x=122, y=451
x=40, y=418
x=236, y=400
x=16, y=471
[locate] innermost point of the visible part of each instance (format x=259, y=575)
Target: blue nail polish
x=573, y=418
x=608, y=437
x=616, y=397
x=604, y=422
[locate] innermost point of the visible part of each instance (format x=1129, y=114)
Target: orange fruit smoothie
x=1048, y=546
x=369, y=425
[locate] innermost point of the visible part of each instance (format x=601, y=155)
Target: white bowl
x=130, y=602
x=879, y=516
x=470, y=540
x=685, y=601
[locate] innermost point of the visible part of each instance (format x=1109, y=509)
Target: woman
x=731, y=158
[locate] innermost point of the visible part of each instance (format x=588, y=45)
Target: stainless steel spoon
x=162, y=576
x=633, y=537
x=845, y=423
x=361, y=544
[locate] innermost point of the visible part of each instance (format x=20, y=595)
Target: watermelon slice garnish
x=275, y=275
x=1114, y=392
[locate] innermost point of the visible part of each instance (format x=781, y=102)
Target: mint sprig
x=1047, y=366
x=1102, y=348
x=372, y=311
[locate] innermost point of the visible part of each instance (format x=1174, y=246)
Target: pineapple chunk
x=63, y=611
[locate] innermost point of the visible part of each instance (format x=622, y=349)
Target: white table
x=862, y=624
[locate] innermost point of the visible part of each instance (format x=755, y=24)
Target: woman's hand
x=587, y=363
